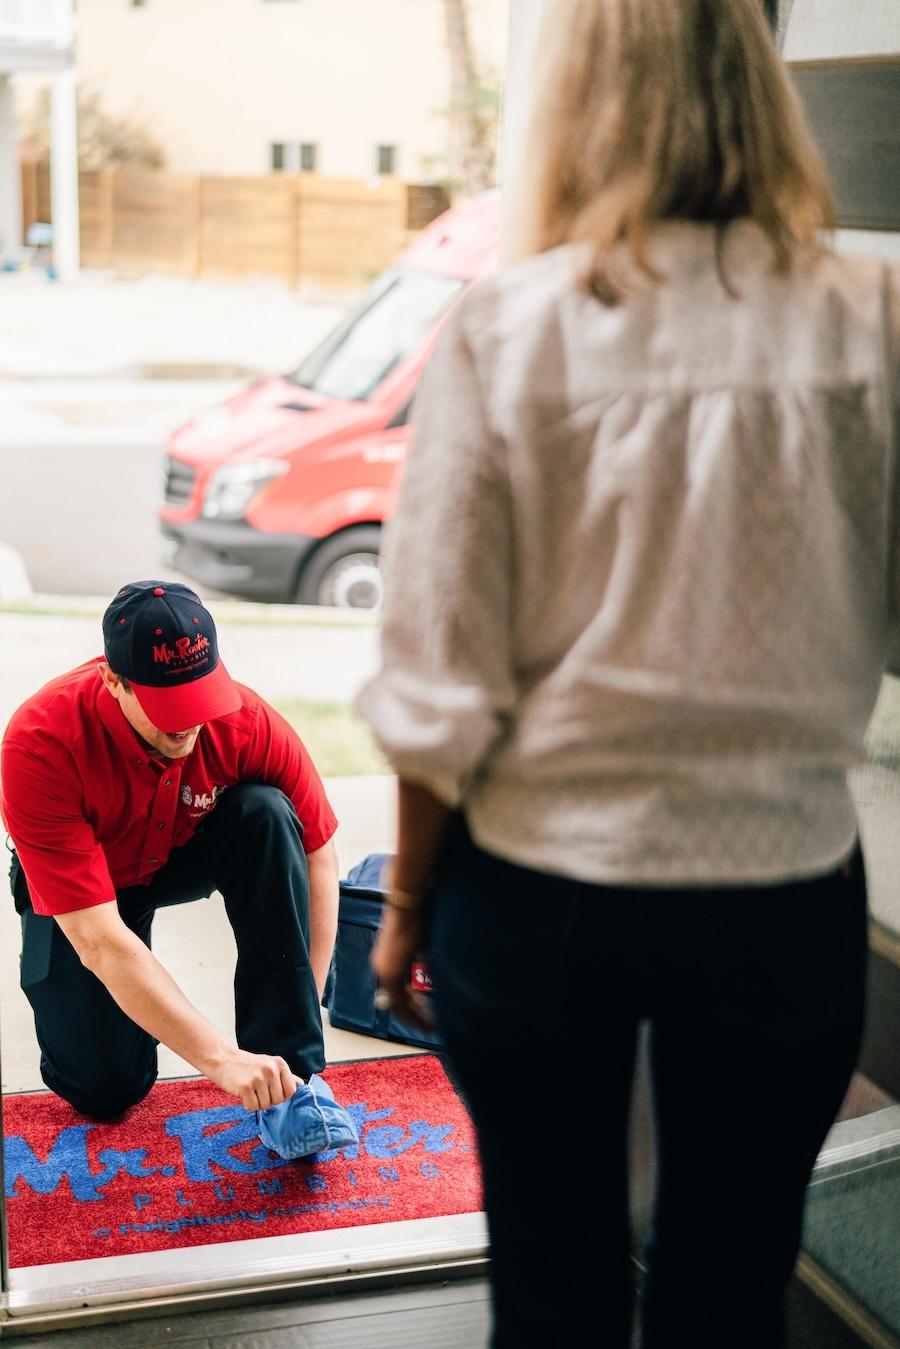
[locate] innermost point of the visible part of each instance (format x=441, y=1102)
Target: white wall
x=820, y=29
x=217, y=80
x=10, y=202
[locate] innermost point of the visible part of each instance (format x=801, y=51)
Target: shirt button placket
x=163, y=805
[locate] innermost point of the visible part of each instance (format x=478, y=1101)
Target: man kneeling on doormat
x=147, y=778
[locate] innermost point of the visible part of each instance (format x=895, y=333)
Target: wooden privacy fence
x=335, y=232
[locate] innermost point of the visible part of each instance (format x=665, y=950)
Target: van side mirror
x=402, y=415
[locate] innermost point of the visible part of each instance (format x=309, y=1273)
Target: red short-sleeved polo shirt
x=91, y=810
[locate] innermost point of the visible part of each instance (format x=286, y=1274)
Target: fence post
x=108, y=216
x=198, y=229
x=29, y=195
x=296, y=218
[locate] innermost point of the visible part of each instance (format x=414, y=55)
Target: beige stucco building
x=223, y=83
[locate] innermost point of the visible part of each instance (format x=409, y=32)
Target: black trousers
x=250, y=849
x=754, y=1001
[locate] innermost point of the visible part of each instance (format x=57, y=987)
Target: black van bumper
x=238, y=559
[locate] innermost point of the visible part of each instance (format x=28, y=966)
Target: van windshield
x=393, y=319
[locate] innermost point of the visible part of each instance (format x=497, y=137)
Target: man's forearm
x=148, y=994
x=323, y=910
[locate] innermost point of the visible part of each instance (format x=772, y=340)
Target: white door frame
x=524, y=25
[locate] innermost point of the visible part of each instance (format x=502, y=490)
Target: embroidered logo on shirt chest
x=200, y=802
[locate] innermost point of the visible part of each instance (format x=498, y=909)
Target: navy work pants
x=250, y=849
x=754, y=1001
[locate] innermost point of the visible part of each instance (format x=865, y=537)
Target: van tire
x=344, y=570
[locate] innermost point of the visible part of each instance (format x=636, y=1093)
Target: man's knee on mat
x=102, y=1096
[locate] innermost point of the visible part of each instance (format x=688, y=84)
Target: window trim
x=392, y=150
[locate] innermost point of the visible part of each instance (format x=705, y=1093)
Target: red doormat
x=186, y=1167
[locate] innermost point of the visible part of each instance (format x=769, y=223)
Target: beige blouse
x=643, y=575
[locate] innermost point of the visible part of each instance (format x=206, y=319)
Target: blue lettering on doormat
x=67, y=1159
x=254, y=1216
x=270, y=1186
x=130, y=1162
x=200, y=1149
x=207, y=1140
x=361, y=1115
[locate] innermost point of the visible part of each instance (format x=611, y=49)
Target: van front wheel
x=344, y=571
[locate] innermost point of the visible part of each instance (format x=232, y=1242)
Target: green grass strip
x=341, y=745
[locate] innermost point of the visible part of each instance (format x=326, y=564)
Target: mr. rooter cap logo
x=183, y=655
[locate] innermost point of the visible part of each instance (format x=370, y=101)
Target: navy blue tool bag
x=350, y=988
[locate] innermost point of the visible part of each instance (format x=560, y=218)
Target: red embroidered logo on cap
x=184, y=655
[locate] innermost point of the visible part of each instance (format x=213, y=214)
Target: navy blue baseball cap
x=160, y=637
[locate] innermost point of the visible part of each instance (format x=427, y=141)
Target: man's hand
x=259, y=1080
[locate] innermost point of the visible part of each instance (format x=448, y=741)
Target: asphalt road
x=83, y=518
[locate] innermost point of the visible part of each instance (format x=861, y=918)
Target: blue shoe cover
x=311, y=1121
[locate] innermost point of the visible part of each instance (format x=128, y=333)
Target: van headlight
x=231, y=489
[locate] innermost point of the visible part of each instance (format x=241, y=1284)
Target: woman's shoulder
x=520, y=296
x=861, y=292
x=851, y=271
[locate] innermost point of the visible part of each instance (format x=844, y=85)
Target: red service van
x=280, y=493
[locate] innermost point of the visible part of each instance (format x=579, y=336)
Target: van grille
x=179, y=482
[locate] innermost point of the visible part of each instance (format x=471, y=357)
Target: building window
x=386, y=159
x=292, y=157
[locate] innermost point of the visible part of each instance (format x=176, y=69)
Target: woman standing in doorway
x=641, y=589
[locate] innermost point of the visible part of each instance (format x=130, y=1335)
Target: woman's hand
x=421, y=825
x=399, y=941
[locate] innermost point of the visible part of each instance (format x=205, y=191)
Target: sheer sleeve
x=445, y=683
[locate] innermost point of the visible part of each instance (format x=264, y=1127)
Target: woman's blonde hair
x=650, y=110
